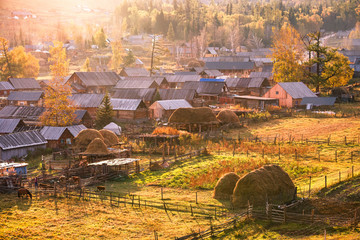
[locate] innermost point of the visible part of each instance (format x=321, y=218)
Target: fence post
x=325, y=181
x=295, y=154
x=192, y=214
x=279, y=152
x=312, y=215
x=339, y=176
x=196, y=198
x=285, y=215
x=352, y=171
x=309, y=186
x=335, y=155
x=162, y=194
x=319, y=155
x=263, y=153
x=352, y=155
x=345, y=141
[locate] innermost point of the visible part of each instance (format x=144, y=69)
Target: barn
x=164, y=108
x=17, y=145
x=290, y=94
x=129, y=109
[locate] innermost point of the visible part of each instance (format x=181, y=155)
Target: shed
x=17, y=145
x=134, y=72
x=290, y=94
x=129, y=109
x=10, y=125
x=255, y=102
x=61, y=137
x=25, y=84
x=28, y=98
x=164, y=108
x=114, y=128
x=310, y=102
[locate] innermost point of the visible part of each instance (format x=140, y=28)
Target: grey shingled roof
x=170, y=94
x=146, y=94
x=25, y=96
x=230, y=65
x=212, y=73
x=126, y=104
x=256, y=82
x=297, y=89
x=318, y=101
x=21, y=139
x=213, y=88
x=8, y=125
x=238, y=82
x=136, y=84
x=97, y=78
x=158, y=79
x=174, y=104
x=24, y=112
x=182, y=78
x=135, y=72
x=5, y=86
x=261, y=74
x=54, y=133
x=24, y=83
x=87, y=100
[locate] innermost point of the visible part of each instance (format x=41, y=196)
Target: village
x=150, y=136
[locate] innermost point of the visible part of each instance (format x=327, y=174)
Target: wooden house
x=17, y=145
x=234, y=69
x=30, y=115
x=172, y=94
x=147, y=95
x=210, y=73
x=159, y=80
x=164, y=108
x=25, y=84
x=211, y=52
x=256, y=86
x=29, y=98
x=177, y=81
x=11, y=125
x=5, y=89
x=290, y=94
x=60, y=137
x=87, y=101
x=134, y=72
x=135, y=84
x=129, y=109
x=83, y=117
x=93, y=82
x=255, y=102
x=209, y=90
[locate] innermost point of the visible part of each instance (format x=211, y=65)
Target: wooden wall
x=285, y=100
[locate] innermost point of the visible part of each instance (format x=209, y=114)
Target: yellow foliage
x=165, y=131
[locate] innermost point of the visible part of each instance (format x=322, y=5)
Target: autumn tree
x=288, y=55
x=129, y=59
x=157, y=53
x=332, y=69
x=104, y=114
x=59, y=109
x=117, y=53
x=86, y=67
x=17, y=63
x=100, y=38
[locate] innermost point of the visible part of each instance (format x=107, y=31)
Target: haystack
x=110, y=137
x=267, y=183
x=193, y=115
x=84, y=138
x=227, y=116
x=225, y=186
x=97, y=147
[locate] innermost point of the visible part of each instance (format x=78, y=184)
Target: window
x=277, y=92
x=68, y=141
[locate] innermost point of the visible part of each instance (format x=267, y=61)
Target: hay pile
x=225, y=186
x=84, y=138
x=110, y=137
x=193, y=115
x=155, y=166
x=165, y=131
x=97, y=147
x=269, y=182
x=227, y=116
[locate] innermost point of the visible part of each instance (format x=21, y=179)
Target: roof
x=115, y=162
x=318, y=101
x=136, y=84
x=134, y=72
x=25, y=96
x=226, y=59
x=255, y=98
x=146, y=94
x=8, y=125
x=170, y=94
x=211, y=80
x=182, y=78
x=212, y=73
x=186, y=73
x=87, y=100
x=261, y=74
x=173, y=104
x=54, y=133
x=97, y=78
x=5, y=86
x=238, y=82
x=158, y=79
x=114, y=128
x=80, y=113
x=21, y=139
x=24, y=83
x=211, y=50
x=230, y=65
x=210, y=88
x=297, y=89
x=23, y=112
x=256, y=82
x=126, y=104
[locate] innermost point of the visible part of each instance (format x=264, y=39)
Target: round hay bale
x=193, y=115
x=110, y=137
x=227, y=116
x=225, y=186
x=269, y=183
x=84, y=138
x=97, y=147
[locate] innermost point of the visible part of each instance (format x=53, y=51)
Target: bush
x=258, y=116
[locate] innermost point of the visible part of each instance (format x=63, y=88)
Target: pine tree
x=171, y=33
x=86, y=67
x=129, y=59
x=104, y=114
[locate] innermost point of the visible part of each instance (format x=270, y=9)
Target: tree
x=157, y=53
x=16, y=63
x=100, y=38
x=117, y=53
x=287, y=55
x=129, y=59
x=59, y=109
x=331, y=68
x=170, y=33
x=86, y=67
x=104, y=114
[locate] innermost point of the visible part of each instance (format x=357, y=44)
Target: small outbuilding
x=114, y=128
x=61, y=137
x=318, y=102
x=164, y=108
x=129, y=109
